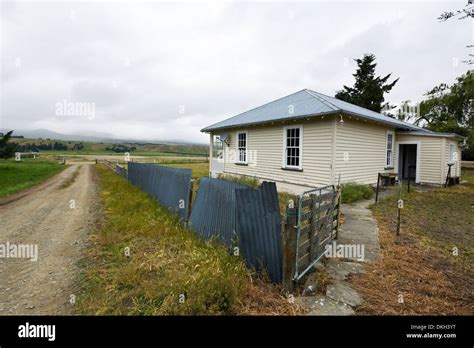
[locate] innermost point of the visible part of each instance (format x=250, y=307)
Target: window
x=242, y=147
x=293, y=147
x=389, y=157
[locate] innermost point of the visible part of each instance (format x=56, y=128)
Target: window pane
x=292, y=144
x=242, y=147
x=389, y=157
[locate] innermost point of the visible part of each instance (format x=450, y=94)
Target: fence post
x=314, y=229
x=289, y=245
x=377, y=192
x=399, y=206
x=190, y=199
x=338, y=215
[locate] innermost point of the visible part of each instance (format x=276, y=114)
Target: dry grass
x=267, y=299
x=166, y=261
x=467, y=164
x=69, y=181
x=420, y=265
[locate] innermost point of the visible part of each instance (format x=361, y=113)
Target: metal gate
x=318, y=222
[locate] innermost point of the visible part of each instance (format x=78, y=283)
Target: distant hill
x=48, y=134
x=96, y=144
x=93, y=137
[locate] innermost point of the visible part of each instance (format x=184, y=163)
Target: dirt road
x=56, y=217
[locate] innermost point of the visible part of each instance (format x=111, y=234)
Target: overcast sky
x=155, y=70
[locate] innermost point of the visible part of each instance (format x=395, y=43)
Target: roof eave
x=434, y=134
x=282, y=119
x=276, y=120
x=395, y=125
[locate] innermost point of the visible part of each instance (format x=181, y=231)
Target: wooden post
x=399, y=206
x=338, y=215
x=289, y=245
x=211, y=150
x=190, y=199
x=377, y=192
x=448, y=176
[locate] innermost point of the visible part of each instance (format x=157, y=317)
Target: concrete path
x=359, y=229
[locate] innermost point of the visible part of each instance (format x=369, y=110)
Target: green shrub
x=353, y=192
x=243, y=180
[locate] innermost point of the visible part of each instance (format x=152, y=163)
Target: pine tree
x=7, y=149
x=368, y=91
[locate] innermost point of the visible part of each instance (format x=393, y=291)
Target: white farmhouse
x=310, y=139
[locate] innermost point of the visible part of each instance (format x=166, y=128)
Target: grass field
x=99, y=148
x=199, y=169
x=170, y=271
x=429, y=268
x=16, y=176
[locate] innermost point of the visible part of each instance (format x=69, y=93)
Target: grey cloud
x=143, y=64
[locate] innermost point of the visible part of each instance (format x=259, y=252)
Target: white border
x=392, y=157
x=237, y=154
x=300, y=167
x=418, y=158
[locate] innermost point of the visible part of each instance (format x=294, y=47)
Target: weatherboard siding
x=265, y=148
x=431, y=163
x=365, y=145
x=456, y=168
x=325, y=142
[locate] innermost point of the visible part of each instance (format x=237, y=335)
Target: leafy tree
x=450, y=109
x=466, y=12
x=7, y=149
x=368, y=90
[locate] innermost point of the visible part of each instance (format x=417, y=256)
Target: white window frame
x=300, y=147
x=237, y=148
x=390, y=165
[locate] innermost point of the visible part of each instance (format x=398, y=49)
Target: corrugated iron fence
x=259, y=228
x=236, y=215
x=243, y=217
x=169, y=186
x=247, y=218
x=214, y=210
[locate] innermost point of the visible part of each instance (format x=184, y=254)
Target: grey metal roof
x=305, y=103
